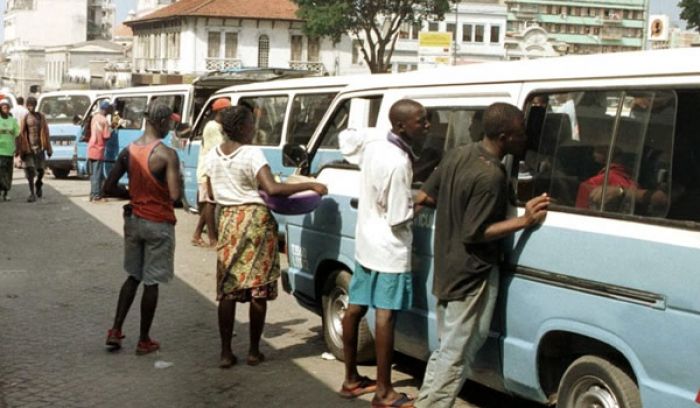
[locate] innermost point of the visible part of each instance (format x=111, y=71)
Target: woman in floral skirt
x=247, y=255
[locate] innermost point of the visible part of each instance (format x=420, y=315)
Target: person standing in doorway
x=248, y=263
x=100, y=132
x=19, y=111
x=149, y=221
x=33, y=147
x=382, y=278
x=470, y=190
x=212, y=136
x=9, y=130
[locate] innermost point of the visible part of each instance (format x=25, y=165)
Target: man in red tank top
x=149, y=221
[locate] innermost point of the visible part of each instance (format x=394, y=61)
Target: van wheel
x=60, y=173
x=334, y=302
x=591, y=381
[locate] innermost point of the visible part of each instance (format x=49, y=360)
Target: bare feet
x=227, y=360
x=255, y=359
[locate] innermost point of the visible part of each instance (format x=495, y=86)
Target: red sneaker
x=114, y=339
x=148, y=346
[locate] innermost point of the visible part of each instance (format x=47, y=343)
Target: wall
x=52, y=22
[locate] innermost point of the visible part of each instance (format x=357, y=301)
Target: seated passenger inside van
x=591, y=190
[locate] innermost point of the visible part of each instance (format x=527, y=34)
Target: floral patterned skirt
x=248, y=264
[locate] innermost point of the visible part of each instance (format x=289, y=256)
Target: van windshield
x=62, y=109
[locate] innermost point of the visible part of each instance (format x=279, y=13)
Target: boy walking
x=382, y=277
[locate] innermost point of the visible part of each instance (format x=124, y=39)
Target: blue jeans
x=97, y=178
x=463, y=326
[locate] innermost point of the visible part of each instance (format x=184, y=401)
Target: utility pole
x=454, y=34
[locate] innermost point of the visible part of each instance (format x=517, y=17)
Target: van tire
x=334, y=301
x=60, y=173
x=594, y=381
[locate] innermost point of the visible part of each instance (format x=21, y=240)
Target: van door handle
x=354, y=202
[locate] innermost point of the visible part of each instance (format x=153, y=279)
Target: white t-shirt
x=212, y=136
x=233, y=176
x=19, y=112
x=383, y=236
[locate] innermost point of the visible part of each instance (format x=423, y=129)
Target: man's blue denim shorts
x=381, y=290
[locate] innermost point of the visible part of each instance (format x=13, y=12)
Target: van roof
x=628, y=64
x=296, y=83
x=149, y=89
x=86, y=92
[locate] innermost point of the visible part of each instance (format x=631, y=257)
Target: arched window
x=263, y=51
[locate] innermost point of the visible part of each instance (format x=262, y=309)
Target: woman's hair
x=232, y=119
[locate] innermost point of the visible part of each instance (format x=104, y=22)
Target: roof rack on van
x=243, y=75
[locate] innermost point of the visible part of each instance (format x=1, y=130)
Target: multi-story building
x=101, y=18
x=30, y=26
x=478, y=33
x=586, y=26
x=191, y=37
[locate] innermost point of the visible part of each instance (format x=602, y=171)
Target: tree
x=374, y=23
x=690, y=12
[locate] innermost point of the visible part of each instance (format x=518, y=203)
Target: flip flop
x=364, y=386
x=255, y=360
x=403, y=401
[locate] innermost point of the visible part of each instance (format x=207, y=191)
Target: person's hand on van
x=536, y=210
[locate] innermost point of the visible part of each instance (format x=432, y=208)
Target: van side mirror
x=295, y=155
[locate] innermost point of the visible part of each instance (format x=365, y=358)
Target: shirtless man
x=33, y=147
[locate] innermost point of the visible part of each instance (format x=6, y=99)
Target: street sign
x=434, y=49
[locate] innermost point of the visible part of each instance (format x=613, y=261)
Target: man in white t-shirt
x=383, y=240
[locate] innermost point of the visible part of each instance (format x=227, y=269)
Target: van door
x=129, y=117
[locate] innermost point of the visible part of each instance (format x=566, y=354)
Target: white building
x=30, y=26
x=478, y=34
x=190, y=37
x=101, y=19
x=80, y=66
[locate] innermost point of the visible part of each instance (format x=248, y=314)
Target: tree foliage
x=690, y=12
x=375, y=23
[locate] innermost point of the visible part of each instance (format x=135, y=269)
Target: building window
x=314, y=49
x=451, y=28
x=495, y=34
x=231, y=45
x=467, y=33
x=297, y=46
x=214, y=44
x=479, y=33
x=404, y=31
x=415, y=29
x=433, y=26
x=263, y=51
x=356, y=45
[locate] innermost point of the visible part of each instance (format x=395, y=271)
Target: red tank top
x=150, y=198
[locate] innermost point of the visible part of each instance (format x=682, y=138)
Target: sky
x=656, y=7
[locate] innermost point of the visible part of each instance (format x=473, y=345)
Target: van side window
x=307, y=111
x=601, y=151
x=269, y=112
x=132, y=111
x=175, y=102
x=207, y=116
x=449, y=128
x=359, y=112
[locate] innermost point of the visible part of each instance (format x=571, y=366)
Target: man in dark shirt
x=470, y=191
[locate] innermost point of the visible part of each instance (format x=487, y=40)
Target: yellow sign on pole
x=434, y=49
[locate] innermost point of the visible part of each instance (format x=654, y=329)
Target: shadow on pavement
x=60, y=272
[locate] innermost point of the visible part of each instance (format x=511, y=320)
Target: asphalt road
x=60, y=272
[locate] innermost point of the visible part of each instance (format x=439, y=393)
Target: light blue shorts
x=381, y=290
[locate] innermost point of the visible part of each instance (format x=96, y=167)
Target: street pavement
x=60, y=273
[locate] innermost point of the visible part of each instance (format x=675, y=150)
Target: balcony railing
x=219, y=64
x=156, y=65
x=308, y=66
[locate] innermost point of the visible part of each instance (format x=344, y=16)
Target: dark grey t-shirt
x=470, y=187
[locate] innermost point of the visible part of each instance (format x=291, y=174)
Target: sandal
x=146, y=347
x=114, y=339
x=226, y=362
x=364, y=386
x=198, y=242
x=403, y=401
x=255, y=360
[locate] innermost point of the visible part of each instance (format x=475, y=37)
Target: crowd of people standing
x=24, y=142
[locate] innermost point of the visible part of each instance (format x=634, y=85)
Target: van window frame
x=663, y=222
x=285, y=113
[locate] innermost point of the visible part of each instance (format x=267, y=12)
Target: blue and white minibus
x=598, y=307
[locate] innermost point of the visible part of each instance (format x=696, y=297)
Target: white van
x=286, y=111
x=598, y=306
